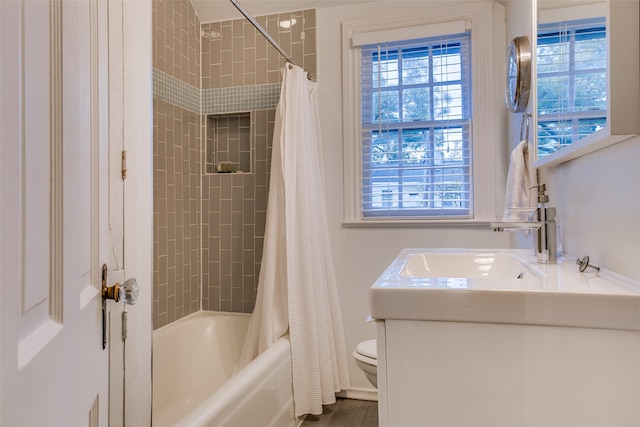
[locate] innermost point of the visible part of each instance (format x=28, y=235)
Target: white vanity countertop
x=547, y=294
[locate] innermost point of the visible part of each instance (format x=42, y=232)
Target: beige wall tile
x=237, y=36
x=209, y=251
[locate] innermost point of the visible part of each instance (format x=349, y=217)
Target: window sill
x=435, y=223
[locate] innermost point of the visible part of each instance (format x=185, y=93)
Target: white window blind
x=571, y=82
x=416, y=128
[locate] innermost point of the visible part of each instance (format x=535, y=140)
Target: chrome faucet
x=546, y=244
x=543, y=219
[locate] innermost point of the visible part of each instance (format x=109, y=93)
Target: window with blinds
x=416, y=119
x=571, y=82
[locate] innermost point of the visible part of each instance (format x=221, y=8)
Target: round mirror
x=518, y=74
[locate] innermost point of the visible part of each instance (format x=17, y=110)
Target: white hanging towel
x=519, y=200
x=297, y=281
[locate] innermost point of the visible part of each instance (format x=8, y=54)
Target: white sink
x=472, y=265
x=504, y=287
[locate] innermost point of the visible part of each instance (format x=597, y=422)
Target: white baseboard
x=359, y=394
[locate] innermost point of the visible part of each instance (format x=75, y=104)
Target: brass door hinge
x=125, y=328
x=124, y=164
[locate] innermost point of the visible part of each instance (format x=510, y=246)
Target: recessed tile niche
x=229, y=143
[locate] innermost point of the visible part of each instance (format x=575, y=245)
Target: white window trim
x=486, y=21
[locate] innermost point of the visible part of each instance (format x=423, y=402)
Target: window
x=421, y=117
x=416, y=116
x=572, y=82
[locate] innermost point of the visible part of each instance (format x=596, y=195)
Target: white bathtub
x=193, y=361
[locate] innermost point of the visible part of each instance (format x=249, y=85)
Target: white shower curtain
x=297, y=286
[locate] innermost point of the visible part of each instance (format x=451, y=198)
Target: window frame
x=486, y=24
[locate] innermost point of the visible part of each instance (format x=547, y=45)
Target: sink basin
x=502, y=287
x=472, y=265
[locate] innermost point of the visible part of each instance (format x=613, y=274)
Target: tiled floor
x=345, y=413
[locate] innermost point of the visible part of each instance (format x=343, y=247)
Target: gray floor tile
x=345, y=413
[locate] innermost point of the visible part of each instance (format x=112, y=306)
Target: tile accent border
x=214, y=101
x=240, y=98
x=176, y=92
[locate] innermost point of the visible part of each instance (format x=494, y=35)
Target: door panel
x=35, y=145
x=53, y=220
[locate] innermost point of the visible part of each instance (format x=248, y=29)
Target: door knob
x=126, y=292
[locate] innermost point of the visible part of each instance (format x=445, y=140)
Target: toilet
x=366, y=358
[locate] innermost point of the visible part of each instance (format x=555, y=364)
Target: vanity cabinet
x=458, y=374
x=492, y=338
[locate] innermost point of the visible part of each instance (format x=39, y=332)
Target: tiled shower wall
x=176, y=160
x=241, y=72
x=234, y=54
x=209, y=228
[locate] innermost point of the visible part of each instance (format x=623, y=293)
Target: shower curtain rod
x=262, y=31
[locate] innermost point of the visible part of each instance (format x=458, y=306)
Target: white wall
x=598, y=202
x=362, y=253
x=519, y=22
x=519, y=17
x=596, y=195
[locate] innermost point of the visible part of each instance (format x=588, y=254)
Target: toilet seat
x=366, y=358
x=366, y=352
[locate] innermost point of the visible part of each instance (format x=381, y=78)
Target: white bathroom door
x=53, y=212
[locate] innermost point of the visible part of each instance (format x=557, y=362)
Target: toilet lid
x=368, y=349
